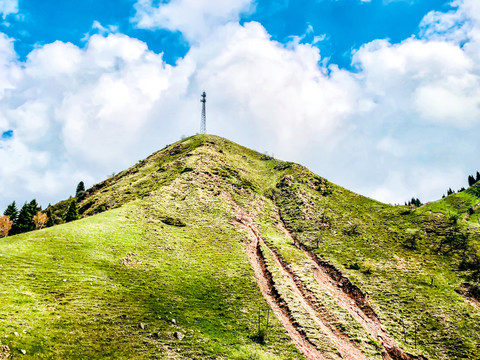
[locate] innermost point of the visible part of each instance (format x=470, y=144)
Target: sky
x=380, y=96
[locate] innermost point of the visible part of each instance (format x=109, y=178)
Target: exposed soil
x=470, y=294
x=316, y=312
x=270, y=293
x=352, y=299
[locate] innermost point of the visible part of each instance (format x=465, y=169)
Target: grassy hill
x=178, y=256
x=464, y=204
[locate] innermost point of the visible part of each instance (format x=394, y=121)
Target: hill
x=463, y=204
x=182, y=254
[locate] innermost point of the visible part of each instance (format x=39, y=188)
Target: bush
x=353, y=266
x=351, y=229
x=259, y=338
x=187, y=169
x=411, y=241
x=368, y=267
x=171, y=221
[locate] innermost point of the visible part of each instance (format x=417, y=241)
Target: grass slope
x=81, y=290
x=172, y=250
x=464, y=204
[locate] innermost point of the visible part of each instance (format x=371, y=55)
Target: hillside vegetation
x=178, y=256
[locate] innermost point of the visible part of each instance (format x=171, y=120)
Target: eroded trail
x=321, y=318
x=267, y=287
x=351, y=299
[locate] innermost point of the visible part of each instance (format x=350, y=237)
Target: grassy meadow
x=157, y=256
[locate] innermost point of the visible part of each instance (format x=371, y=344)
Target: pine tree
x=80, y=193
x=478, y=177
x=12, y=212
x=34, y=207
x=72, y=213
x=50, y=221
x=24, y=221
x=471, y=180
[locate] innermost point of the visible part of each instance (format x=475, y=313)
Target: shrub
x=368, y=267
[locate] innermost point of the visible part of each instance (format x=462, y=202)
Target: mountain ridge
x=346, y=276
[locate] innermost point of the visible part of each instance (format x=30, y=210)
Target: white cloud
x=415, y=183
x=283, y=90
x=8, y=7
x=434, y=80
x=194, y=19
x=403, y=124
x=76, y=111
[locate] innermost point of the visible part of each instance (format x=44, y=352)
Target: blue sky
x=380, y=96
x=346, y=24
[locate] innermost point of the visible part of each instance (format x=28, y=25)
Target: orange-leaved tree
x=5, y=225
x=40, y=220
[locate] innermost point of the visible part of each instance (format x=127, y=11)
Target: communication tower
x=203, y=124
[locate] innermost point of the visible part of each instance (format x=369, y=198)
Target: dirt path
x=267, y=287
x=307, y=299
x=475, y=302
x=466, y=292
x=350, y=298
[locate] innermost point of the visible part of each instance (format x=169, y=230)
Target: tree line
x=472, y=180
x=414, y=202
x=32, y=217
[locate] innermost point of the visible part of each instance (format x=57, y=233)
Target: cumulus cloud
x=76, y=111
x=8, y=7
x=194, y=19
x=426, y=101
x=434, y=80
x=394, y=128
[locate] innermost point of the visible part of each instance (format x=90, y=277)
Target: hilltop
x=177, y=256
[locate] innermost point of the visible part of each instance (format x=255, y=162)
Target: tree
x=34, y=208
x=12, y=213
x=72, y=213
x=478, y=176
x=24, y=221
x=50, y=221
x=40, y=220
x=471, y=180
x=80, y=193
x=5, y=225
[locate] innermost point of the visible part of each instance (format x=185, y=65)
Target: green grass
x=415, y=287
x=464, y=204
x=68, y=288
x=169, y=250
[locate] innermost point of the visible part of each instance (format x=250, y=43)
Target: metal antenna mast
x=203, y=125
